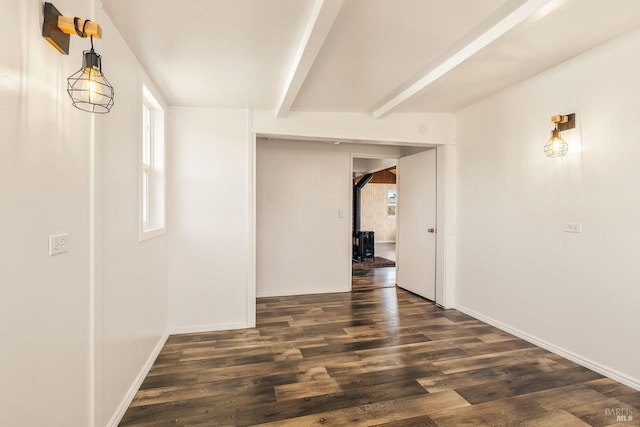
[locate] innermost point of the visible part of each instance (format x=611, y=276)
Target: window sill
x=152, y=233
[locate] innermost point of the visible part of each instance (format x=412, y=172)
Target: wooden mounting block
x=57, y=29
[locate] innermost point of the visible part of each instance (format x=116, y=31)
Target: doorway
x=395, y=209
x=373, y=223
x=303, y=197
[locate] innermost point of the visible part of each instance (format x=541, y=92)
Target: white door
x=416, y=221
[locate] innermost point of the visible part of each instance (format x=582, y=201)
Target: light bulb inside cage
x=556, y=145
x=88, y=88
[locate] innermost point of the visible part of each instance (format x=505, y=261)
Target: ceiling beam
x=320, y=22
x=503, y=20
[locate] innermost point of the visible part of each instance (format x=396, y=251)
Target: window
x=152, y=168
x=391, y=203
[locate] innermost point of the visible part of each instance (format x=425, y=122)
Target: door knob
x=431, y=230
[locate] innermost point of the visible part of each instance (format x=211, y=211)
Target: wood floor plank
x=612, y=388
x=478, y=377
x=379, y=412
x=513, y=357
x=420, y=421
x=376, y=356
x=595, y=416
x=295, y=408
x=555, y=418
x=491, y=414
x=383, y=376
x=306, y=389
x=526, y=384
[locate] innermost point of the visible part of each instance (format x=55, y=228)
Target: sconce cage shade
x=88, y=88
x=556, y=146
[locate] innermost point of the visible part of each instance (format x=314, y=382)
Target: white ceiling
x=371, y=56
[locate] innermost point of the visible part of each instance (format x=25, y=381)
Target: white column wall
x=575, y=293
x=209, y=218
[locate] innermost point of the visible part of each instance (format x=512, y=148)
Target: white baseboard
x=291, y=292
x=128, y=398
x=207, y=328
x=580, y=360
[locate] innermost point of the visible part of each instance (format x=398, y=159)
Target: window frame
x=152, y=168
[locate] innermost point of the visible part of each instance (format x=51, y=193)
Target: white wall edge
x=441, y=229
x=93, y=238
x=286, y=293
x=128, y=398
x=252, y=204
x=214, y=327
x=580, y=360
x=445, y=225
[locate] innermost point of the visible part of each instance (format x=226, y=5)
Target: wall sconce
x=557, y=146
x=88, y=88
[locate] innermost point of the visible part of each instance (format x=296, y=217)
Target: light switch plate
x=572, y=227
x=58, y=243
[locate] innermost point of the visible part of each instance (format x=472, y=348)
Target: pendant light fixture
x=88, y=88
x=556, y=146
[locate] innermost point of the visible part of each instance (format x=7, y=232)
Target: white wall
x=77, y=327
x=209, y=169
x=44, y=189
x=131, y=276
x=577, y=293
x=301, y=244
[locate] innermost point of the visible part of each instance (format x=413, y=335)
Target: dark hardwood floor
x=363, y=279
x=376, y=356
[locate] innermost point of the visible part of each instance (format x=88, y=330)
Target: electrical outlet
x=572, y=227
x=58, y=243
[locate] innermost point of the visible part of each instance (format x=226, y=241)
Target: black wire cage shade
x=88, y=88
